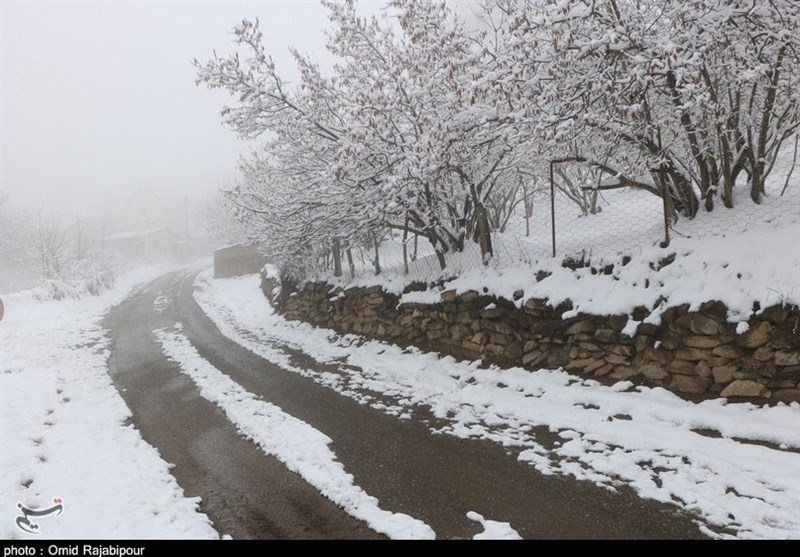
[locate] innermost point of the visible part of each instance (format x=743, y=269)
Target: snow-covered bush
x=86, y=277
x=58, y=260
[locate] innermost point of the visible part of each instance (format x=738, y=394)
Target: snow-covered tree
x=416, y=129
x=288, y=185
x=389, y=142
x=38, y=249
x=430, y=127
x=13, y=230
x=698, y=92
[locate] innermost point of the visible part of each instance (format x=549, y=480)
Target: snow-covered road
x=239, y=405
x=176, y=371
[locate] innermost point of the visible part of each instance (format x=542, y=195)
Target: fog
x=99, y=100
x=105, y=135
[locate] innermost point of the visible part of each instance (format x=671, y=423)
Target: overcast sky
x=98, y=98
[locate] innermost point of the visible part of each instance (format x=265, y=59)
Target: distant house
x=150, y=228
x=153, y=245
x=146, y=210
x=235, y=260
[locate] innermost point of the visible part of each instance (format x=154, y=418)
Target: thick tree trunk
x=727, y=171
x=441, y=259
x=484, y=234
x=757, y=183
x=437, y=249
x=758, y=159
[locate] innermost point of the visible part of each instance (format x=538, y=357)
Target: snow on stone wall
x=690, y=352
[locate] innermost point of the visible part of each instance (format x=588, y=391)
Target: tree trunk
x=758, y=164
x=377, y=257
x=794, y=163
x=441, y=259
x=527, y=206
x=437, y=249
x=405, y=247
x=695, y=137
x=726, y=154
x=727, y=172
x=527, y=222
x=593, y=208
x=350, y=263
x=682, y=195
x=484, y=234
x=337, y=258
x=756, y=183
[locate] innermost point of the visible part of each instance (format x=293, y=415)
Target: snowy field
x=65, y=435
x=736, y=466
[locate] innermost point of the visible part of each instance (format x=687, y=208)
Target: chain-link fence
x=779, y=206
x=583, y=223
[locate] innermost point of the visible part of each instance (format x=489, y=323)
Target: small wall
x=693, y=353
x=232, y=261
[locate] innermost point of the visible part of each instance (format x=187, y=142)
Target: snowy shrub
x=87, y=277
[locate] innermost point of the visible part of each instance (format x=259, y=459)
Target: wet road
x=435, y=478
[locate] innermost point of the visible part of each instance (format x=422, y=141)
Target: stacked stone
x=690, y=352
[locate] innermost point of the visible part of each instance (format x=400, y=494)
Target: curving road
x=435, y=478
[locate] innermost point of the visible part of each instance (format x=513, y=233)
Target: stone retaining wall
x=693, y=353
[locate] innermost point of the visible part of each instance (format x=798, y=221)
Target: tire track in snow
x=438, y=478
x=246, y=493
x=300, y=447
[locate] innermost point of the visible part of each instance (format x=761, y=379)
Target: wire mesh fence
x=779, y=206
x=602, y=225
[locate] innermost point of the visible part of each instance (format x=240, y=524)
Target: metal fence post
x=553, y=208
x=665, y=200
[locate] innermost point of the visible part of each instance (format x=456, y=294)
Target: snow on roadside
x=707, y=458
x=63, y=430
x=492, y=529
x=299, y=446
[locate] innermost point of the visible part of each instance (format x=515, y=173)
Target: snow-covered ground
x=64, y=435
x=737, y=466
x=67, y=443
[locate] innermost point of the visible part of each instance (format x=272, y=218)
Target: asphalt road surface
x=435, y=478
